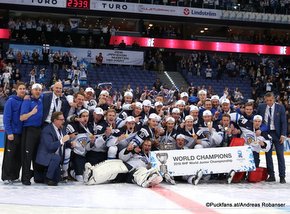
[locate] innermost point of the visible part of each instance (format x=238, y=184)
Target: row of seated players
x=98, y=133
x=93, y=130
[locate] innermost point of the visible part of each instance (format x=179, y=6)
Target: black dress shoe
x=26, y=183
x=282, y=180
x=51, y=183
x=271, y=179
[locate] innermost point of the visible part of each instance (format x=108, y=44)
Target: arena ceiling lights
x=202, y=45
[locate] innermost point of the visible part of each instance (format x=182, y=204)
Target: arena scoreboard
x=78, y=4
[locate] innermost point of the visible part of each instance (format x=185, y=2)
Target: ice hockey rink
x=129, y=198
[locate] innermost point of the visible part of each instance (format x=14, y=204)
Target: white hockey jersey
x=134, y=159
x=251, y=139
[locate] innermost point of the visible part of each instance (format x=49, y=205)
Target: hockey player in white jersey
x=175, y=113
x=84, y=135
x=90, y=103
x=147, y=131
x=208, y=132
x=193, y=111
x=135, y=110
x=180, y=104
x=137, y=156
x=106, y=137
x=128, y=132
x=189, y=132
x=258, y=140
x=191, y=179
x=167, y=139
x=136, y=168
x=113, y=171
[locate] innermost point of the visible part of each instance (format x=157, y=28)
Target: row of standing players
x=60, y=134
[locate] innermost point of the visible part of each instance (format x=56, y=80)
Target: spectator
x=35, y=57
x=208, y=72
x=56, y=62
x=75, y=84
x=41, y=78
x=157, y=85
x=6, y=78
x=238, y=96
x=122, y=45
x=99, y=59
x=25, y=39
x=16, y=76
x=113, y=31
x=10, y=56
x=135, y=45
x=102, y=42
x=269, y=85
x=91, y=42
x=19, y=57
x=82, y=42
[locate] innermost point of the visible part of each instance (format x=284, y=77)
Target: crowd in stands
x=266, y=73
x=154, y=61
x=58, y=33
x=164, y=31
x=266, y=37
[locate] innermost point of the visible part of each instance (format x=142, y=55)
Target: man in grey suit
x=275, y=118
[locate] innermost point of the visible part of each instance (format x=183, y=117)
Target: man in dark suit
x=50, y=150
x=54, y=101
x=275, y=118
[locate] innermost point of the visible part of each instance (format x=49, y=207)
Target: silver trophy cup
x=162, y=157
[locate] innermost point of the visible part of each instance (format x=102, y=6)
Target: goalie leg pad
x=104, y=172
x=147, y=178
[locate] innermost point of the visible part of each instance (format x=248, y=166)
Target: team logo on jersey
x=250, y=138
x=83, y=141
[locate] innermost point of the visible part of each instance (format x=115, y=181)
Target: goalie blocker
x=116, y=171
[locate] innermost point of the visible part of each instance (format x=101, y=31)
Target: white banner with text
x=155, y=9
x=117, y=57
x=210, y=161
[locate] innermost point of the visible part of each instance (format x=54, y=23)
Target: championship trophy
x=162, y=157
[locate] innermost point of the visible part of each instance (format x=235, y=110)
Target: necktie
x=269, y=117
x=61, y=147
x=56, y=105
x=60, y=133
